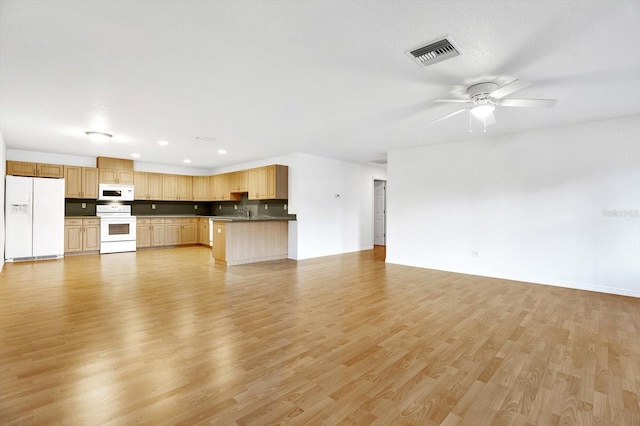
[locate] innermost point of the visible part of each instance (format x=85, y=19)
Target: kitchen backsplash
x=274, y=208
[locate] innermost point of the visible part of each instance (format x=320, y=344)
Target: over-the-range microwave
x=115, y=192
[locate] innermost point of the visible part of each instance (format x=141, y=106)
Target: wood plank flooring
x=168, y=337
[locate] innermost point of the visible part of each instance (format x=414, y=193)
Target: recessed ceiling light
x=163, y=143
x=222, y=151
x=135, y=155
x=98, y=136
x=186, y=160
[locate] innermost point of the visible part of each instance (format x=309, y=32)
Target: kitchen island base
x=241, y=242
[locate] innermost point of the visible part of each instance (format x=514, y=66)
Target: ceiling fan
x=485, y=97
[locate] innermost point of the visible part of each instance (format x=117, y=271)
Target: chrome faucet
x=247, y=213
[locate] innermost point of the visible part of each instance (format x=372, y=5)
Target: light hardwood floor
x=168, y=337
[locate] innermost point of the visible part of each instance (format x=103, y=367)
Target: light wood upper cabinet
x=169, y=187
x=239, y=181
x=185, y=188
x=50, y=170
x=177, y=187
x=21, y=168
x=81, y=182
x=90, y=182
x=140, y=186
x=147, y=186
x=269, y=183
x=220, y=187
x=123, y=177
x=155, y=186
x=114, y=163
x=201, y=188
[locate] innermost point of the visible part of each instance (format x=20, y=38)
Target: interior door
x=379, y=214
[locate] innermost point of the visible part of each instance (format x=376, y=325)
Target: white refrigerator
x=34, y=218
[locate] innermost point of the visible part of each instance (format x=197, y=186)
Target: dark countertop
x=222, y=218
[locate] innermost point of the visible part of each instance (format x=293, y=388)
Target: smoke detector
x=434, y=52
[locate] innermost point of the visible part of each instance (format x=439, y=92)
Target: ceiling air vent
x=434, y=52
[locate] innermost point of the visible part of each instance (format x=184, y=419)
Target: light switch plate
x=84, y=205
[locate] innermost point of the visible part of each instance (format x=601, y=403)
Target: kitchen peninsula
x=237, y=241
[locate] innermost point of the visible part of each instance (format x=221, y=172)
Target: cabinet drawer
x=72, y=221
x=173, y=220
x=92, y=221
x=190, y=220
x=143, y=221
x=158, y=221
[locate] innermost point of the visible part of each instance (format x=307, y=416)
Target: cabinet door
x=20, y=168
x=73, y=182
x=172, y=234
x=189, y=233
x=203, y=232
x=143, y=235
x=201, y=188
x=90, y=183
x=140, y=185
x=185, y=190
x=50, y=170
x=125, y=177
x=72, y=239
x=158, y=235
x=108, y=176
x=91, y=237
x=169, y=187
x=155, y=186
x=239, y=181
x=258, y=183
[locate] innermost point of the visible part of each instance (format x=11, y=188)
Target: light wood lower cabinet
x=81, y=235
x=203, y=231
x=168, y=231
x=150, y=232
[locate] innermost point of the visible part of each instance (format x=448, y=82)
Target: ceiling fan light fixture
x=483, y=111
x=98, y=136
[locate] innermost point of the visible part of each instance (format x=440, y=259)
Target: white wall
x=3, y=172
x=326, y=225
x=557, y=206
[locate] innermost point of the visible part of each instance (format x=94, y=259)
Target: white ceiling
x=266, y=78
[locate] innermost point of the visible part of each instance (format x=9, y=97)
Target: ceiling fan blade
x=508, y=89
x=527, y=103
x=462, y=101
x=448, y=115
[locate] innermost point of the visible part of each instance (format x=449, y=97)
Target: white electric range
x=117, y=228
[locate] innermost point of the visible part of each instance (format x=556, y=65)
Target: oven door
x=117, y=229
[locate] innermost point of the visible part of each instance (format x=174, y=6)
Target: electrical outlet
x=84, y=205
x=285, y=206
x=219, y=206
x=235, y=207
x=266, y=206
x=195, y=207
x=153, y=206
